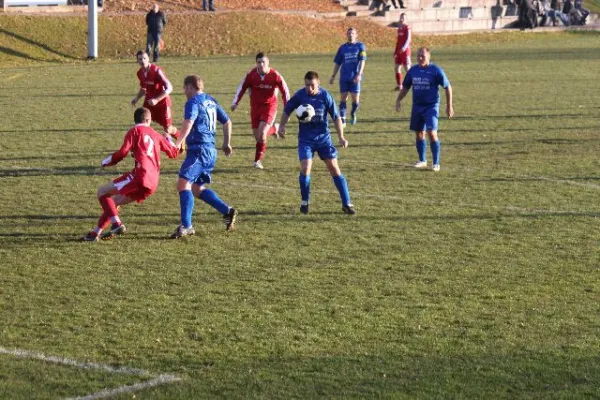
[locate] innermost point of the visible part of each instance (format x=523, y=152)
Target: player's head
x=351, y=34
x=155, y=7
x=262, y=63
x=142, y=116
x=423, y=56
x=312, y=82
x=143, y=59
x=192, y=84
x=402, y=19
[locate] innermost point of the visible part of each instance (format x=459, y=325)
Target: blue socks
x=421, y=148
x=435, y=152
x=355, y=107
x=304, y=181
x=342, y=187
x=343, y=109
x=212, y=199
x=186, y=202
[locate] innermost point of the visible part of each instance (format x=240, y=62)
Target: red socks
x=108, y=205
x=260, y=151
x=399, y=78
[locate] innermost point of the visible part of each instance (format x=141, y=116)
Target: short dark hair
x=141, y=114
x=140, y=52
x=193, y=80
x=260, y=55
x=310, y=75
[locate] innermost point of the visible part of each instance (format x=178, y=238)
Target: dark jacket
x=156, y=22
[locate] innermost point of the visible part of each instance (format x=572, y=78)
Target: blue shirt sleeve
x=191, y=111
x=339, y=59
x=362, y=55
x=291, y=105
x=442, y=78
x=332, y=107
x=222, y=116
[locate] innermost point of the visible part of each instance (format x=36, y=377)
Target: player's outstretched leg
x=304, y=181
x=211, y=198
x=341, y=184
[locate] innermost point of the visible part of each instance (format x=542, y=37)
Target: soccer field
x=480, y=281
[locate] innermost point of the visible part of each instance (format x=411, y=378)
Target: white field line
x=157, y=380
x=160, y=380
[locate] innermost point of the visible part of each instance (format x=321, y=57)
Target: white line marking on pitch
x=156, y=381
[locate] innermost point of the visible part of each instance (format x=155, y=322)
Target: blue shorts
x=326, y=151
x=424, y=118
x=198, y=165
x=349, y=86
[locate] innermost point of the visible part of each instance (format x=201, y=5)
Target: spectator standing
x=208, y=5
x=155, y=21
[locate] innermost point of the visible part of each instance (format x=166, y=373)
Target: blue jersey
x=348, y=57
x=204, y=112
x=424, y=82
x=317, y=130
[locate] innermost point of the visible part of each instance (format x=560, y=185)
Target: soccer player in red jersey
x=145, y=145
x=155, y=87
x=263, y=84
x=402, y=52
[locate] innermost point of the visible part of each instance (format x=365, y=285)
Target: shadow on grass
x=37, y=44
x=20, y=172
x=15, y=53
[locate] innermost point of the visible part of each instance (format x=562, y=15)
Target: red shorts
x=161, y=113
x=127, y=186
x=402, y=58
x=264, y=113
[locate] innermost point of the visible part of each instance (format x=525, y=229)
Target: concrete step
x=454, y=24
x=447, y=13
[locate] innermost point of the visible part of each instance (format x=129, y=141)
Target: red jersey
x=154, y=82
x=145, y=144
x=404, y=38
x=262, y=88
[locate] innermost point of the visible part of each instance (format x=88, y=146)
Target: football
x=305, y=113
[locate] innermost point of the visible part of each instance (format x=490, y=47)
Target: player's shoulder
x=361, y=45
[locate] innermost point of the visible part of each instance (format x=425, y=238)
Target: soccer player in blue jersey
x=314, y=137
x=424, y=79
x=350, y=59
x=198, y=132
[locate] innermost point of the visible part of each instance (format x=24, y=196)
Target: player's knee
x=182, y=185
x=420, y=135
x=197, y=189
x=432, y=136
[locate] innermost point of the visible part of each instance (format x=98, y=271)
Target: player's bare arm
x=227, y=138
x=336, y=68
x=339, y=127
x=361, y=68
x=284, y=120
x=186, y=127
x=138, y=96
x=449, y=107
x=401, y=95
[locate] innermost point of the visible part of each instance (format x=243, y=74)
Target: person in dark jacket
x=156, y=21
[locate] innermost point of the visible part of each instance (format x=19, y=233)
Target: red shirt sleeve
x=125, y=148
x=241, y=89
x=283, y=88
x=168, y=147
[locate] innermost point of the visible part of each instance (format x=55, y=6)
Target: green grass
x=480, y=281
